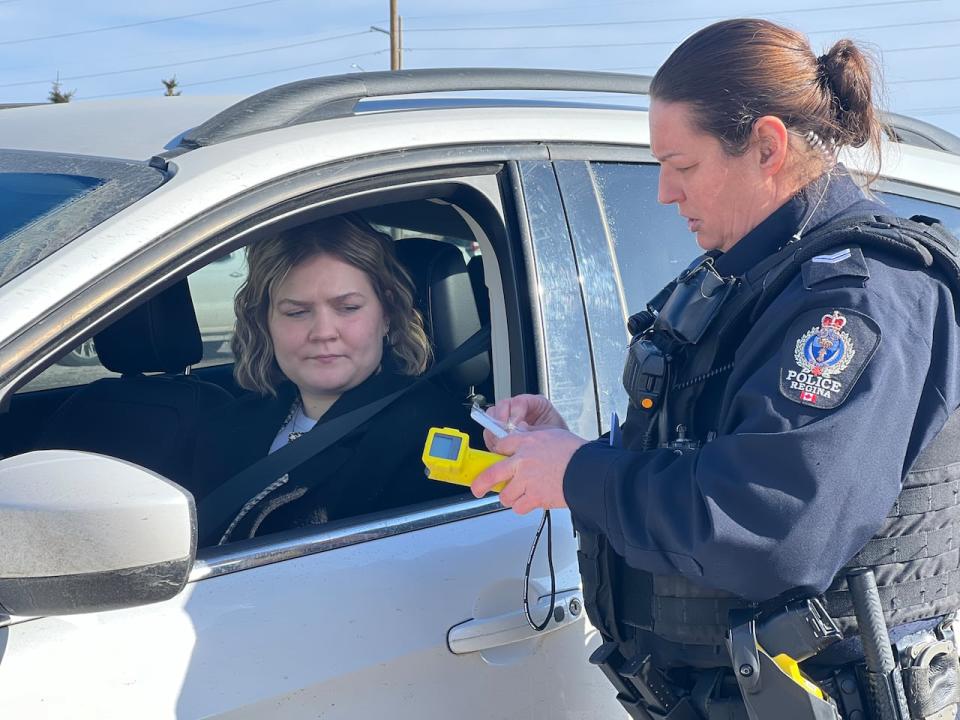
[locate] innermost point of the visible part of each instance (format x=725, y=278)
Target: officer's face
x=722, y=197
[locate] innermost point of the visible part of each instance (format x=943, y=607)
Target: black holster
x=641, y=688
x=768, y=691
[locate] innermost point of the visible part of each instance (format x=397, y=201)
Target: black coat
x=375, y=467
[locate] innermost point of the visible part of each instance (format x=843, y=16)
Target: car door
x=416, y=614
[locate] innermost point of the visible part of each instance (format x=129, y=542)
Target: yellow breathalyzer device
x=448, y=457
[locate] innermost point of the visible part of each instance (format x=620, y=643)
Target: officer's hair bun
x=847, y=74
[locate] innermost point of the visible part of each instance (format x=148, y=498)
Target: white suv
x=413, y=613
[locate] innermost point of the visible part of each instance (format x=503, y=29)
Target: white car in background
x=112, y=610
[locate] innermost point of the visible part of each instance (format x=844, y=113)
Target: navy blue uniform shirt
x=802, y=472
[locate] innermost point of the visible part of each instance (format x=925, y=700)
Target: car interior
x=155, y=379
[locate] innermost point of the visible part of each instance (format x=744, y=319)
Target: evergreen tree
x=171, y=86
x=58, y=95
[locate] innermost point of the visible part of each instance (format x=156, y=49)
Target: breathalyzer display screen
x=446, y=447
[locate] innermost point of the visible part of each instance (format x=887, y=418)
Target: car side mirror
x=81, y=533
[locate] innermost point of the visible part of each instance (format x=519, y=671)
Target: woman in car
x=326, y=324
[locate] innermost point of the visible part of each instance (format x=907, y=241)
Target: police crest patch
x=824, y=353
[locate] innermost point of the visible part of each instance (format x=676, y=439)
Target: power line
x=172, y=65
x=547, y=47
x=676, y=42
x=137, y=24
x=525, y=11
x=666, y=20
x=551, y=8
x=921, y=47
x=942, y=110
x=241, y=77
x=924, y=80
x=918, y=23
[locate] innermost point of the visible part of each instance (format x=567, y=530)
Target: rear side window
x=650, y=241
x=904, y=206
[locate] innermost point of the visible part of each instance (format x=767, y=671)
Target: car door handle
x=476, y=635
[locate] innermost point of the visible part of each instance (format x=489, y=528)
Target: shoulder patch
x=843, y=263
x=823, y=355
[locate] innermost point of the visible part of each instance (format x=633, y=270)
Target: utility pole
x=395, y=33
x=395, y=61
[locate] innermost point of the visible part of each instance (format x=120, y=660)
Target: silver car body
x=349, y=624
x=353, y=623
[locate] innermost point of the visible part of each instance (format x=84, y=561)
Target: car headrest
x=161, y=335
x=445, y=297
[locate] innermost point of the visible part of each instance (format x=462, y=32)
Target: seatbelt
x=219, y=507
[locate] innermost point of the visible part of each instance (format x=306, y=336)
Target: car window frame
x=563, y=348
x=916, y=191
x=546, y=239
x=226, y=228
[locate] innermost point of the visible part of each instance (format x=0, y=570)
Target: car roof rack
x=911, y=131
x=336, y=96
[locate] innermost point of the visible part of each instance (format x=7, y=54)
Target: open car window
x=75, y=402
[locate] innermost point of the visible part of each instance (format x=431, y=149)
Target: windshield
x=24, y=197
x=48, y=199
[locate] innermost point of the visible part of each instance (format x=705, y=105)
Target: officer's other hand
x=524, y=412
x=533, y=471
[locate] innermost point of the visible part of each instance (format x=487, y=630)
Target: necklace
x=297, y=421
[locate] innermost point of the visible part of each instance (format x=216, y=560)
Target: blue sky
x=227, y=47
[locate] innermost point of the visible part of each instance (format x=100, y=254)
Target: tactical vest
x=915, y=555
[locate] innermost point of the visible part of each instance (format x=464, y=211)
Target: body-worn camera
x=685, y=315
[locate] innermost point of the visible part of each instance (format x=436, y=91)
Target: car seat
x=444, y=295
x=150, y=420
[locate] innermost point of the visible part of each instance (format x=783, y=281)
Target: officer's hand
x=526, y=412
x=533, y=471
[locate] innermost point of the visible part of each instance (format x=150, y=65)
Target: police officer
x=791, y=394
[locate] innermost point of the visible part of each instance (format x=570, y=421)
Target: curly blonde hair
x=349, y=239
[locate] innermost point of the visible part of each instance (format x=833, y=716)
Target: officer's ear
x=771, y=137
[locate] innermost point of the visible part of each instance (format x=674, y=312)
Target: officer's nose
x=668, y=191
